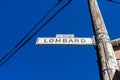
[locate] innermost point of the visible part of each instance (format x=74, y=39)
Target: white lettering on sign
x=64, y=41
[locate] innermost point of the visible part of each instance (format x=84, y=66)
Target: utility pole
x=106, y=57
x=108, y=66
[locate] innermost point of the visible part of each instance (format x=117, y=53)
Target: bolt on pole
x=106, y=57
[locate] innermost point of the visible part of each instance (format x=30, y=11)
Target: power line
x=4, y=60
x=59, y=1
x=35, y=26
x=114, y=1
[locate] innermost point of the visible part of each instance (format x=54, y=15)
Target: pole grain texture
x=106, y=57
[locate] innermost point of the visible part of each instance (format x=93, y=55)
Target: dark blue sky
x=33, y=62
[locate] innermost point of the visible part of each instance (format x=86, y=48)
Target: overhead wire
x=35, y=26
x=114, y=1
x=5, y=59
x=59, y=1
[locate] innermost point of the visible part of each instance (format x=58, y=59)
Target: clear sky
x=33, y=62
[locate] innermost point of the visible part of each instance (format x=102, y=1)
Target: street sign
x=64, y=39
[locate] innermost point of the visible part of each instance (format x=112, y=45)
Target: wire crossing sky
x=6, y=57
x=114, y=1
x=51, y=62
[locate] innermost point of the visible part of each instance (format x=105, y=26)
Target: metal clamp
x=101, y=33
x=103, y=39
x=107, y=69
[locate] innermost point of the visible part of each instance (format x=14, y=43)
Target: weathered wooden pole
x=106, y=57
